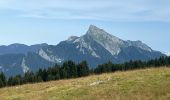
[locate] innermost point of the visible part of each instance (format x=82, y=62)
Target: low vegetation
x=70, y=69
x=144, y=84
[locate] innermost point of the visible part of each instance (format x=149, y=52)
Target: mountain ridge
x=112, y=46
x=96, y=46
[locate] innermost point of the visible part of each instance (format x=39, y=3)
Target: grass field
x=146, y=84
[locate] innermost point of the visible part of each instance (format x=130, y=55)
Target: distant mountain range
x=96, y=47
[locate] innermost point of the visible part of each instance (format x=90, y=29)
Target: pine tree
x=16, y=80
x=29, y=77
x=65, y=71
x=10, y=79
x=1, y=83
x=72, y=69
x=56, y=72
x=82, y=69
x=3, y=79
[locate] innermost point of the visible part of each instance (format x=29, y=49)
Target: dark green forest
x=70, y=69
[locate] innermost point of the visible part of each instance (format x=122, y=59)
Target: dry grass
x=147, y=84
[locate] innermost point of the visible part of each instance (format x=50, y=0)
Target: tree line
x=131, y=65
x=70, y=69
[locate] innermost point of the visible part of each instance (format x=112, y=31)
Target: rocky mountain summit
x=96, y=47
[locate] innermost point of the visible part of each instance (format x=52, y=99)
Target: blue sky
x=52, y=21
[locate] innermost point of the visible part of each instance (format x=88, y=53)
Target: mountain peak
x=93, y=29
x=97, y=33
x=108, y=41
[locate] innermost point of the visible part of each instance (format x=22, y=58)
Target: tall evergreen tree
x=3, y=79
x=82, y=69
x=72, y=69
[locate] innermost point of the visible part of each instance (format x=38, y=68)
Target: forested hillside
x=70, y=69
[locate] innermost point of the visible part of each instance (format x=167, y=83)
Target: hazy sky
x=51, y=21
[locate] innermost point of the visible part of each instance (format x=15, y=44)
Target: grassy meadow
x=144, y=84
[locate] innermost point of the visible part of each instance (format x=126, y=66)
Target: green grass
x=146, y=84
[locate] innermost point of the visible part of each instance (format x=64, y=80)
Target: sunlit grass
x=147, y=84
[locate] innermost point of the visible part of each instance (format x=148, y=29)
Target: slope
x=146, y=84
